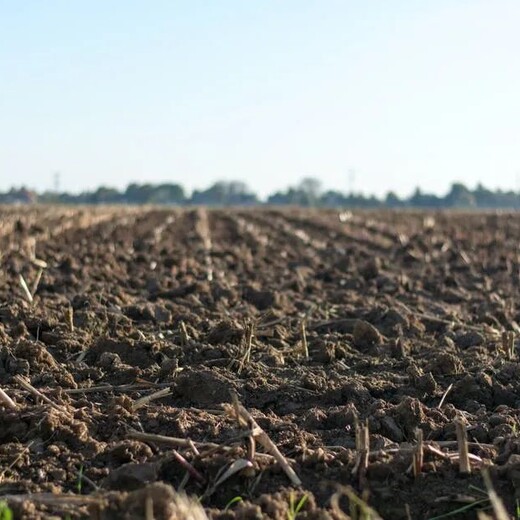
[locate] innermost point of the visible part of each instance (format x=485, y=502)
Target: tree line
x=308, y=192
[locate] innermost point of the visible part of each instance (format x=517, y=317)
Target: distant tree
x=310, y=189
x=392, y=200
x=292, y=197
x=277, y=199
x=237, y=189
x=333, y=199
x=138, y=193
x=307, y=193
x=225, y=194
x=311, y=185
x=424, y=200
x=168, y=194
x=460, y=197
x=484, y=198
x=104, y=195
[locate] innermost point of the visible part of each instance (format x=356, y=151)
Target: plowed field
x=255, y=359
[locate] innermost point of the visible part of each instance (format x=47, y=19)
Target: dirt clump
x=365, y=334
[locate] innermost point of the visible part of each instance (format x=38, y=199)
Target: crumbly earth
x=319, y=321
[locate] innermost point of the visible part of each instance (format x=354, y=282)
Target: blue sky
x=406, y=93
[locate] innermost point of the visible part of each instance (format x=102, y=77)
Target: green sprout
x=295, y=507
x=6, y=513
x=232, y=502
x=79, y=484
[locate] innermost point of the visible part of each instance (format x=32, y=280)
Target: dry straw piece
x=69, y=317
x=418, y=456
x=448, y=390
x=303, y=332
x=261, y=436
x=246, y=345
x=25, y=289
x=7, y=401
x=185, y=443
x=143, y=401
x=363, y=451
x=508, y=344
x=27, y=386
x=462, y=439
x=498, y=506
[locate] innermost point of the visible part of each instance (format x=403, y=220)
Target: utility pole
x=517, y=189
x=351, y=180
x=57, y=182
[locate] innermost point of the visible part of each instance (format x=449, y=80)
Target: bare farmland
x=255, y=359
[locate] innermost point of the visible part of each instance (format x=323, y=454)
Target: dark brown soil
x=319, y=321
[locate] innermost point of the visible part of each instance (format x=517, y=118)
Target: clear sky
x=405, y=93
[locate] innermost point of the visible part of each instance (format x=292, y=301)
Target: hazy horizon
x=405, y=94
